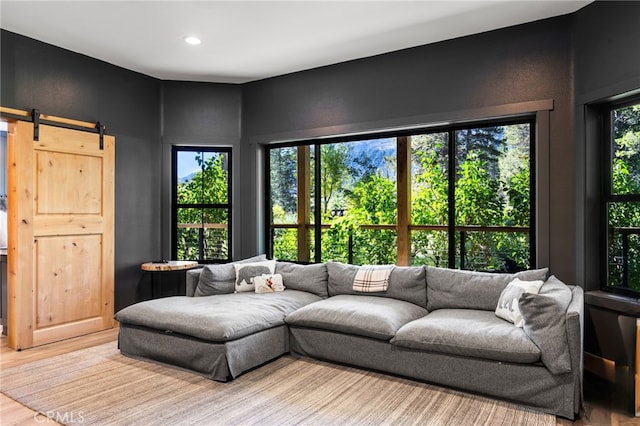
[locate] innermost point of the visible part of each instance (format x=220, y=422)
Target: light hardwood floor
x=12, y=412
x=599, y=409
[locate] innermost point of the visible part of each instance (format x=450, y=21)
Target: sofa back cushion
x=220, y=278
x=406, y=283
x=458, y=289
x=311, y=278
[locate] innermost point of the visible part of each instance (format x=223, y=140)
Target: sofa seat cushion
x=218, y=318
x=369, y=316
x=467, y=332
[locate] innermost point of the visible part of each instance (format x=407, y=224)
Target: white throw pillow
x=246, y=272
x=268, y=283
x=508, y=308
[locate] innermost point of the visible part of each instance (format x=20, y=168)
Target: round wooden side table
x=166, y=266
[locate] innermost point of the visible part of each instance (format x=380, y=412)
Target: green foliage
x=624, y=216
x=335, y=240
x=334, y=173
x=285, y=244
x=484, y=143
x=626, y=150
x=477, y=194
x=285, y=241
x=284, y=178
x=374, y=202
x=491, y=189
x=429, y=200
x=518, y=210
x=207, y=186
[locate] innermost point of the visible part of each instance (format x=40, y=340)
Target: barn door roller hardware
x=37, y=118
x=101, y=129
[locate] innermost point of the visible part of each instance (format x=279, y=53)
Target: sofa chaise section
x=215, y=331
x=217, y=336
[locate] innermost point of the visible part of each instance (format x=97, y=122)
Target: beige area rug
x=102, y=387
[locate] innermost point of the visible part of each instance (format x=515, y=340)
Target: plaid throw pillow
x=372, y=279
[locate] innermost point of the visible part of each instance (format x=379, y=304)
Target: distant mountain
x=186, y=178
x=376, y=152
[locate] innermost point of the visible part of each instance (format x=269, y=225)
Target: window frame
x=605, y=112
x=175, y=149
x=530, y=118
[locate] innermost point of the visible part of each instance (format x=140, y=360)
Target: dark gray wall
x=65, y=84
x=200, y=114
x=606, y=36
x=442, y=81
x=465, y=77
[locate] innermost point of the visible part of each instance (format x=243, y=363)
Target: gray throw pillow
x=544, y=316
x=409, y=283
x=341, y=277
x=311, y=278
x=558, y=290
x=406, y=283
x=459, y=289
x=220, y=278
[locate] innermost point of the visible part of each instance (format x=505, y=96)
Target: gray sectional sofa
x=431, y=324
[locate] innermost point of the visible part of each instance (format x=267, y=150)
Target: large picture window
x=622, y=196
x=201, y=204
x=458, y=196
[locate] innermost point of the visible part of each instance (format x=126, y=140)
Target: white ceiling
x=250, y=40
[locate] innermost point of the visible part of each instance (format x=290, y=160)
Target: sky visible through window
x=187, y=164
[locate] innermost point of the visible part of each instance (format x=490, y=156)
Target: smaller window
x=622, y=198
x=201, y=207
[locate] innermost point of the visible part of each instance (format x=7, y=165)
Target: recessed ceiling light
x=192, y=40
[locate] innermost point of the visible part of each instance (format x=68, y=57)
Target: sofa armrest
x=191, y=282
x=575, y=333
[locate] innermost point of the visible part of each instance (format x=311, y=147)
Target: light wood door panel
x=68, y=183
x=61, y=254
x=68, y=277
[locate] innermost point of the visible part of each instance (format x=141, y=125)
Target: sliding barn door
x=61, y=225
